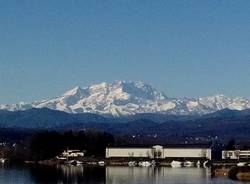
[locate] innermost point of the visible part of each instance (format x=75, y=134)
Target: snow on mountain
x=123, y=98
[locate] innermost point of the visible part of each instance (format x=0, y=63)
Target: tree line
x=48, y=144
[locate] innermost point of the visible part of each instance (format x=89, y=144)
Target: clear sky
x=184, y=48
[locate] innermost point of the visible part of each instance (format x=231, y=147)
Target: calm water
x=109, y=175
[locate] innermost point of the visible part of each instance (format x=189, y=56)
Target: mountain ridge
x=126, y=98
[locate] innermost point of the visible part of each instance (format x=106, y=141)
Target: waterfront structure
x=73, y=153
x=236, y=154
x=158, y=151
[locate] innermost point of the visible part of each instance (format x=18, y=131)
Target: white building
x=73, y=153
x=236, y=154
x=158, y=152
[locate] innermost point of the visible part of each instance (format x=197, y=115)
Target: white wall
x=187, y=153
x=167, y=152
x=128, y=152
x=235, y=154
x=229, y=155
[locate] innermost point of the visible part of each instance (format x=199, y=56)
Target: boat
x=144, y=164
x=101, y=163
x=188, y=164
x=92, y=163
x=153, y=163
x=176, y=163
x=241, y=164
x=2, y=160
x=198, y=163
x=205, y=164
x=76, y=162
x=69, y=162
x=61, y=158
x=132, y=163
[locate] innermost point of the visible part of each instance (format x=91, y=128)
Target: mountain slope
x=224, y=124
x=123, y=98
x=45, y=118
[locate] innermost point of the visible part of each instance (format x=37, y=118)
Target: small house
x=73, y=153
x=236, y=154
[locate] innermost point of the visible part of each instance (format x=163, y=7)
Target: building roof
x=73, y=151
x=193, y=146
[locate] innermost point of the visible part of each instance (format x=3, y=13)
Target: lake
x=109, y=175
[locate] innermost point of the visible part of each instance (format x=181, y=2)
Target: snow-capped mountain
x=123, y=98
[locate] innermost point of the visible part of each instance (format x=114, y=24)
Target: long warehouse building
x=158, y=151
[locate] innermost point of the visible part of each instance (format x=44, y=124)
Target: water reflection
x=68, y=174
x=163, y=175
x=157, y=175
x=109, y=175
x=14, y=175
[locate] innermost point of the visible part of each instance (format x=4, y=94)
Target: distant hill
x=224, y=124
x=44, y=118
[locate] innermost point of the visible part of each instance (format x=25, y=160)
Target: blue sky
x=184, y=48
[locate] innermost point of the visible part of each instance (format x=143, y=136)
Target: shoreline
x=125, y=162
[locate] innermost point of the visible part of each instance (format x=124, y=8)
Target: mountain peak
x=122, y=98
x=73, y=91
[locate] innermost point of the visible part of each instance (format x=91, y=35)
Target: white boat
x=78, y=162
x=61, y=158
x=198, y=163
x=92, y=163
x=153, y=163
x=101, y=163
x=241, y=164
x=69, y=162
x=2, y=160
x=176, y=163
x=132, y=163
x=205, y=164
x=144, y=164
x=188, y=164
